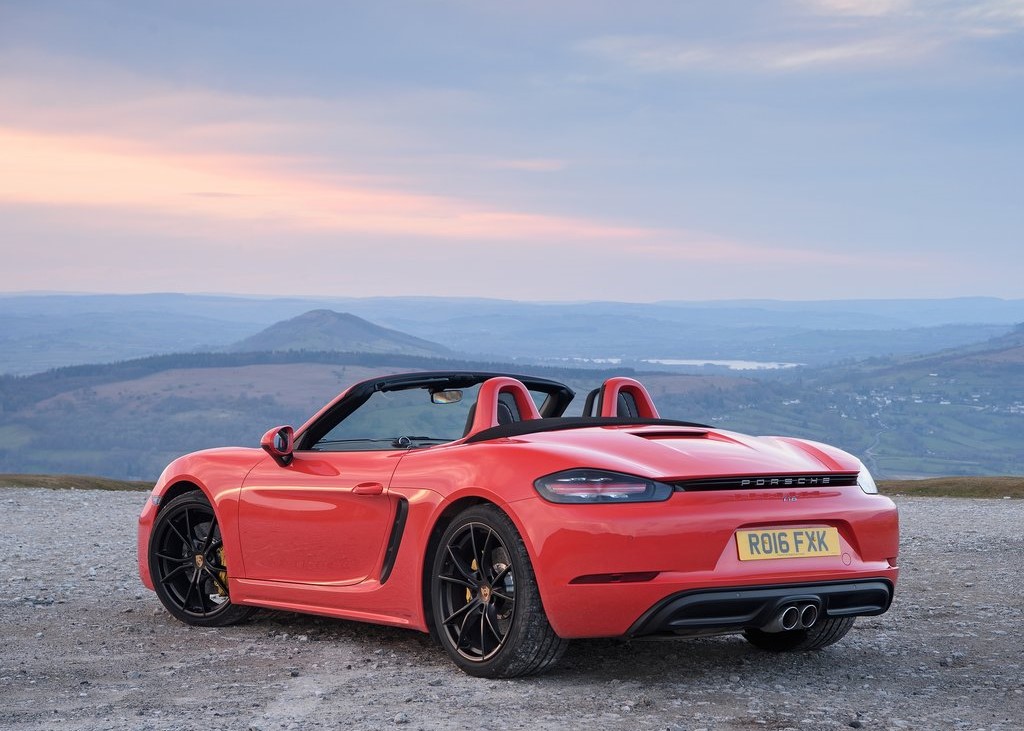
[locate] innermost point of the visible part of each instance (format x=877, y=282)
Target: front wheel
x=821, y=634
x=486, y=607
x=186, y=561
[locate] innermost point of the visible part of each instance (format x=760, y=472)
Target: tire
x=486, y=609
x=821, y=634
x=186, y=561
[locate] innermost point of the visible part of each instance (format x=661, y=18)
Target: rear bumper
x=602, y=568
x=737, y=609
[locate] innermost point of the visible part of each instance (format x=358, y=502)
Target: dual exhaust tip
x=793, y=616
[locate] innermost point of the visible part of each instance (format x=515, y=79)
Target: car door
x=322, y=519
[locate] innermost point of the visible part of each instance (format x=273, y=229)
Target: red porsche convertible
x=469, y=506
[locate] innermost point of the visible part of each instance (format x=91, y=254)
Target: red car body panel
x=313, y=535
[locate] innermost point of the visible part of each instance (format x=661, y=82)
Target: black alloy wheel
x=186, y=561
x=478, y=592
x=486, y=606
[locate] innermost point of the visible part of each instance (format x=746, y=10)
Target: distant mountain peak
x=327, y=330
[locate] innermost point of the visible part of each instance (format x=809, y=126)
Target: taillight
x=600, y=486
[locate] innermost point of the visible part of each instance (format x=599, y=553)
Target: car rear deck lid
x=536, y=426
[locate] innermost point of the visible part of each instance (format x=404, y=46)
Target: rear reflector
x=633, y=577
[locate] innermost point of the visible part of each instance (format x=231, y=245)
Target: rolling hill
x=956, y=412
x=127, y=420
x=326, y=330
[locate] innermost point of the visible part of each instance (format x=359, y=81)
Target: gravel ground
x=85, y=646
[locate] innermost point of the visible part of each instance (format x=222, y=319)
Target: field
x=964, y=487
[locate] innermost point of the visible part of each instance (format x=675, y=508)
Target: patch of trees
x=17, y=392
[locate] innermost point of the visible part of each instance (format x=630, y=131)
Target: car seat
x=501, y=400
x=621, y=397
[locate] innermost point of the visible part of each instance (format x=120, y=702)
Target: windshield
x=387, y=416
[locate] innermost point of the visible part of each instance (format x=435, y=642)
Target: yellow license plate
x=755, y=545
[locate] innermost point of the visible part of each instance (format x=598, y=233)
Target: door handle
x=368, y=488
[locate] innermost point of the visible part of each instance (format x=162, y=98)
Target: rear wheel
x=821, y=634
x=186, y=561
x=486, y=607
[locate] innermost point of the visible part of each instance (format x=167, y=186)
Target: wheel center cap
x=485, y=594
x=199, y=561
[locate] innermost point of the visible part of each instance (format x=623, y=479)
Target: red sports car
x=469, y=506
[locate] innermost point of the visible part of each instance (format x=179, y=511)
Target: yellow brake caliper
x=469, y=594
x=222, y=575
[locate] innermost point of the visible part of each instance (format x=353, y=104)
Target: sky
x=569, y=150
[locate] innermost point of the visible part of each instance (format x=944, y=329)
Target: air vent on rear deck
x=767, y=482
x=671, y=434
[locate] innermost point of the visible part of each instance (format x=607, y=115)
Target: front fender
x=218, y=474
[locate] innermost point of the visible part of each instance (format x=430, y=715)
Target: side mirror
x=279, y=443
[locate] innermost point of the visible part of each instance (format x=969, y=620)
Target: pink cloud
x=71, y=170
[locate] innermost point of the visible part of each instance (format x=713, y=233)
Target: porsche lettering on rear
x=468, y=505
x=785, y=481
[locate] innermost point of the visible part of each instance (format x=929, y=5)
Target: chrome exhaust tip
x=787, y=619
x=794, y=616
